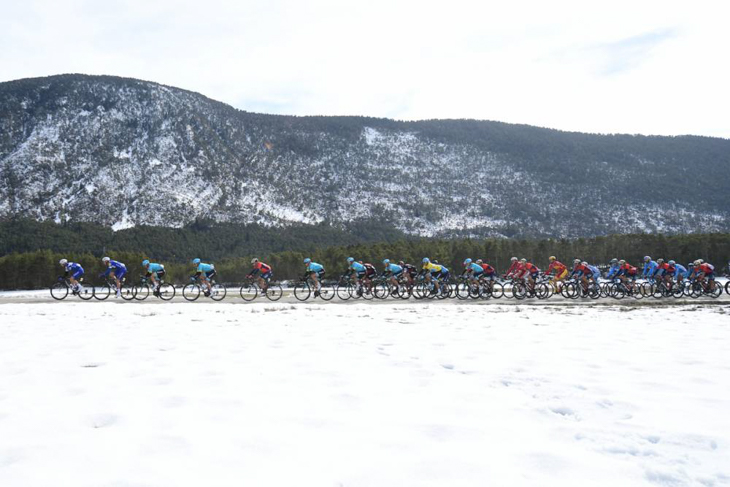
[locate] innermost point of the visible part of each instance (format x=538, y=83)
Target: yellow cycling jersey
x=432, y=267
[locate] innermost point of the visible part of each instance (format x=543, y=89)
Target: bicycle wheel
x=274, y=292
x=716, y=291
x=302, y=291
x=128, y=292
x=191, y=292
x=366, y=292
x=249, y=291
x=217, y=291
x=727, y=287
x=497, y=290
x=103, y=291
x=542, y=291
x=141, y=292
x=617, y=291
x=381, y=290
x=344, y=291
x=327, y=292
x=404, y=291
x=59, y=291
x=166, y=291
x=86, y=293
x=463, y=290
x=519, y=290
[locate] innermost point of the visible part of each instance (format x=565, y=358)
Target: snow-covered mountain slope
x=124, y=152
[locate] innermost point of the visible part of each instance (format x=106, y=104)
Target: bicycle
x=109, y=286
x=62, y=287
x=305, y=288
x=702, y=288
x=250, y=290
x=192, y=291
x=165, y=291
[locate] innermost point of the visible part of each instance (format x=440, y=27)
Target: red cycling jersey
x=513, y=268
x=630, y=270
x=584, y=269
x=705, y=268
x=557, y=265
x=488, y=269
x=532, y=268
x=260, y=266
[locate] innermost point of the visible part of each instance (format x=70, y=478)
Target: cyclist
x=512, y=268
x=393, y=270
x=359, y=270
x=434, y=272
x=561, y=272
x=531, y=273
x=679, y=271
x=315, y=272
x=264, y=278
x=204, y=272
x=155, y=273
x=595, y=272
x=116, y=270
x=489, y=274
x=705, y=271
x=409, y=271
x=473, y=270
x=76, y=274
x=613, y=270
x=582, y=272
x=661, y=269
x=627, y=272
x=649, y=267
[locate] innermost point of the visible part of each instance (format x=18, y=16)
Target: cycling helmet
x=254, y=260
x=467, y=262
x=552, y=258
x=698, y=262
x=63, y=262
x=479, y=261
x=614, y=260
x=105, y=260
x=647, y=258
x=386, y=261
x=307, y=260
x=523, y=260
x=196, y=261
x=671, y=262
x=576, y=261
x=425, y=260
x=622, y=262
x=350, y=259
x=145, y=263
x=584, y=263
x=401, y=263
x=514, y=259
x=659, y=261
x=691, y=264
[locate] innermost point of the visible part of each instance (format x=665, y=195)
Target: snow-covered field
x=401, y=394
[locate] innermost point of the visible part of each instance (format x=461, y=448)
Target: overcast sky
x=652, y=67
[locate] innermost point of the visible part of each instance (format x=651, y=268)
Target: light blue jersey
x=476, y=268
x=649, y=269
x=205, y=267
x=613, y=271
x=314, y=267
x=393, y=269
x=155, y=267
x=357, y=267
x=680, y=270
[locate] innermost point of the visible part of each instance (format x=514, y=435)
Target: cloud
x=637, y=67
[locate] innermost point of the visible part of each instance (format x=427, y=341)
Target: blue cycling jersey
x=649, y=268
x=116, y=267
x=680, y=270
x=205, y=267
x=358, y=267
x=314, y=267
x=155, y=267
x=613, y=271
x=73, y=267
x=476, y=268
x=393, y=268
x=594, y=270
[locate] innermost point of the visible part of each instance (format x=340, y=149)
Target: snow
x=442, y=394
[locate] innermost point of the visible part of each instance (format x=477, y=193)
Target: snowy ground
x=402, y=394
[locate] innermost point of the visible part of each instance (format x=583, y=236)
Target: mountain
x=123, y=152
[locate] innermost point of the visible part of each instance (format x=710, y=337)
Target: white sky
x=653, y=67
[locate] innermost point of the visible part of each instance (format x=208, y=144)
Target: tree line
x=39, y=269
